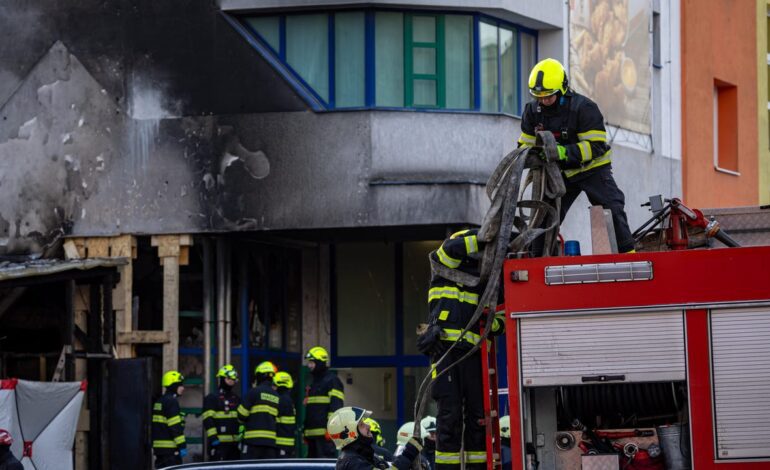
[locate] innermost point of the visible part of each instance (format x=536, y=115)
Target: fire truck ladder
x=491, y=404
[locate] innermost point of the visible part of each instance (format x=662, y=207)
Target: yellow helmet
x=228, y=372
x=267, y=368
x=317, y=353
x=374, y=427
x=343, y=425
x=283, y=379
x=548, y=77
x=171, y=377
x=505, y=426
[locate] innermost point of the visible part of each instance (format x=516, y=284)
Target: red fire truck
x=636, y=361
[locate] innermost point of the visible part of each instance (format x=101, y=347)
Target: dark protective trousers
x=459, y=396
x=319, y=448
x=601, y=190
x=229, y=451
x=167, y=460
x=259, y=452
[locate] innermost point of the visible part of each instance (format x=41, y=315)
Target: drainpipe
x=207, y=283
x=221, y=281
x=228, y=302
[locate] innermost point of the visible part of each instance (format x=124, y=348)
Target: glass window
x=268, y=28
x=508, y=71
x=365, y=299
x=389, y=58
x=416, y=280
x=459, y=61
x=423, y=59
x=489, y=55
x=528, y=60
x=349, y=42
x=424, y=29
x=307, y=50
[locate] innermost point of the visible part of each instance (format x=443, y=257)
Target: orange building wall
x=718, y=43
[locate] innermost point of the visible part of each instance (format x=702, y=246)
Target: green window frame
x=414, y=81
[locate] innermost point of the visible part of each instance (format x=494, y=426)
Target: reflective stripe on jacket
x=220, y=417
x=258, y=412
x=324, y=396
x=167, y=425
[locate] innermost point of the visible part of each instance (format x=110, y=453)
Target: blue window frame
x=391, y=59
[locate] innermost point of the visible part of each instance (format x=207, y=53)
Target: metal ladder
x=491, y=403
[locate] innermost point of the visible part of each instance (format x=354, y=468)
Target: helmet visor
x=541, y=93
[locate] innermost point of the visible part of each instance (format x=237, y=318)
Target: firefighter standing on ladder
x=460, y=430
x=584, y=154
x=220, y=417
x=324, y=396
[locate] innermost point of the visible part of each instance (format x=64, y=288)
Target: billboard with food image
x=610, y=58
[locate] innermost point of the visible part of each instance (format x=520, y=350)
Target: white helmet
x=428, y=423
x=343, y=425
x=405, y=433
x=505, y=426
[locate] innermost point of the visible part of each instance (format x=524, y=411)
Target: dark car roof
x=272, y=464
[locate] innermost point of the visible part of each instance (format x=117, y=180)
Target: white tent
x=42, y=418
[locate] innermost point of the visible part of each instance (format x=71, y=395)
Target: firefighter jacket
x=325, y=395
x=258, y=412
x=286, y=423
x=452, y=305
x=577, y=124
x=167, y=425
x=220, y=417
x=360, y=455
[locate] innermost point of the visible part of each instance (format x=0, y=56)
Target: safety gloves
x=562, y=153
x=559, y=156
x=429, y=343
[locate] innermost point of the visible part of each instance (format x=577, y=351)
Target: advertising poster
x=610, y=58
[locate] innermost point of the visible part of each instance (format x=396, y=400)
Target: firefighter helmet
x=343, y=425
x=228, y=372
x=376, y=430
x=317, y=353
x=172, y=377
x=505, y=426
x=548, y=77
x=5, y=438
x=428, y=423
x=283, y=379
x=406, y=431
x=266, y=368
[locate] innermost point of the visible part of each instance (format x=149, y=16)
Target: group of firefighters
x=458, y=431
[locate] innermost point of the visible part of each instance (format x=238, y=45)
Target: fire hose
x=504, y=189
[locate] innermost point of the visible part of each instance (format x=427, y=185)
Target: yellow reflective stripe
x=158, y=419
x=157, y=407
x=228, y=438
x=319, y=400
x=593, y=135
x=336, y=394
x=443, y=315
x=164, y=444
x=207, y=414
x=174, y=421
x=211, y=432
x=225, y=414
x=447, y=260
x=286, y=420
x=284, y=441
x=475, y=457
x=497, y=324
x=447, y=457
x=454, y=293
x=595, y=163
x=526, y=139
x=269, y=409
x=449, y=334
x=585, y=151
x=315, y=432
x=242, y=410
x=255, y=434
x=471, y=244
x=179, y=440
x=269, y=397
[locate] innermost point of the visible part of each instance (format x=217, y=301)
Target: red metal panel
x=691, y=277
x=514, y=393
x=699, y=385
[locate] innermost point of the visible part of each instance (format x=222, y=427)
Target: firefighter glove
x=215, y=443
x=562, y=153
x=429, y=343
x=183, y=452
